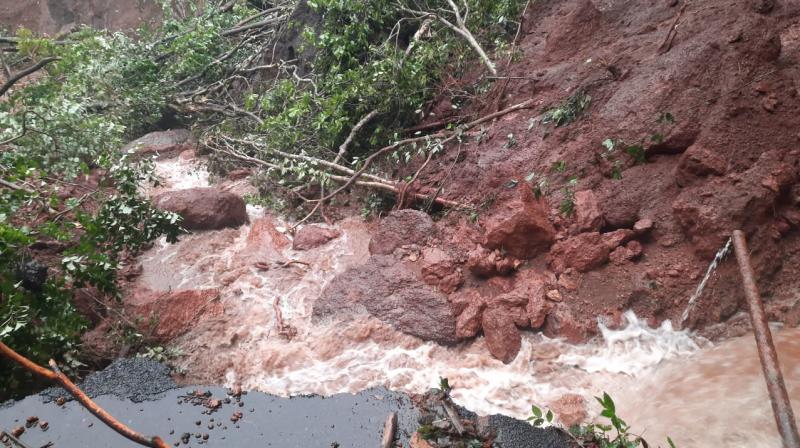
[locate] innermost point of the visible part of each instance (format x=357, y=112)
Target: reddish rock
x=264, y=233
x=485, y=263
x=626, y=253
x=238, y=174
x=582, y=252
x=554, y=296
x=643, y=226
x=391, y=290
x=482, y=262
x=570, y=409
x=439, y=270
x=699, y=161
x=167, y=315
x=520, y=226
x=463, y=299
x=204, y=208
x=469, y=321
x=562, y=323
x=400, y=228
x=614, y=239
x=312, y=236
x=162, y=143
x=502, y=337
x=588, y=216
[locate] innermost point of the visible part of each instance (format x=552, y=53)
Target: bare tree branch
x=28, y=71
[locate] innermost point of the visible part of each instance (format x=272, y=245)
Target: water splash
x=634, y=349
x=721, y=254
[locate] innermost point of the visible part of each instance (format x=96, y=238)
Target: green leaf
x=536, y=411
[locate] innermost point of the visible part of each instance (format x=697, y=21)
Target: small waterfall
x=721, y=254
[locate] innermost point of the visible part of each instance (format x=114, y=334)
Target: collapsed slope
x=676, y=141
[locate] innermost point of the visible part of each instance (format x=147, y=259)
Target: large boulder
x=520, y=226
x=204, y=208
x=502, y=336
x=400, y=228
x=162, y=143
x=391, y=290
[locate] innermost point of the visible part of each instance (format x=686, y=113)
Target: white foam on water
x=634, y=349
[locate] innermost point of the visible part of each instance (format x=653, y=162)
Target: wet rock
x=699, y=161
x=166, y=316
x=204, y=208
x=502, y=337
x=18, y=431
x=588, y=216
x=440, y=270
x=570, y=409
x=312, y=236
x=469, y=321
x=582, y=252
x=391, y=290
x=562, y=323
x=264, y=236
x=400, y=228
x=520, y=226
x=161, y=143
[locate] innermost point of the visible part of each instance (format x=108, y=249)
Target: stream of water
x=665, y=381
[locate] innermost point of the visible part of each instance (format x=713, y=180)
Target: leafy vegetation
x=568, y=111
x=66, y=185
x=616, y=434
x=366, y=70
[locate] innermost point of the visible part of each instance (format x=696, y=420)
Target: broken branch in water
x=56, y=376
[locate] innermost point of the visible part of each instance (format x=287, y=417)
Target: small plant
x=511, y=142
x=539, y=186
x=617, y=434
x=567, y=205
x=539, y=419
x=568, y=111
x=559, y=166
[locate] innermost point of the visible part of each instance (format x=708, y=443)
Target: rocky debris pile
x=204, y=208
x=442, y=424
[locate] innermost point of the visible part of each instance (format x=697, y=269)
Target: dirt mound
x=684, y=139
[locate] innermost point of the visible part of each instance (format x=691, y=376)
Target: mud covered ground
x=140, y=393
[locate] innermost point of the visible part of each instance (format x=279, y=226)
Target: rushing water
x=665, y=381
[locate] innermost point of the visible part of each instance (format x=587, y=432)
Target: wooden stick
x=56, y=376
x=389, y=428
